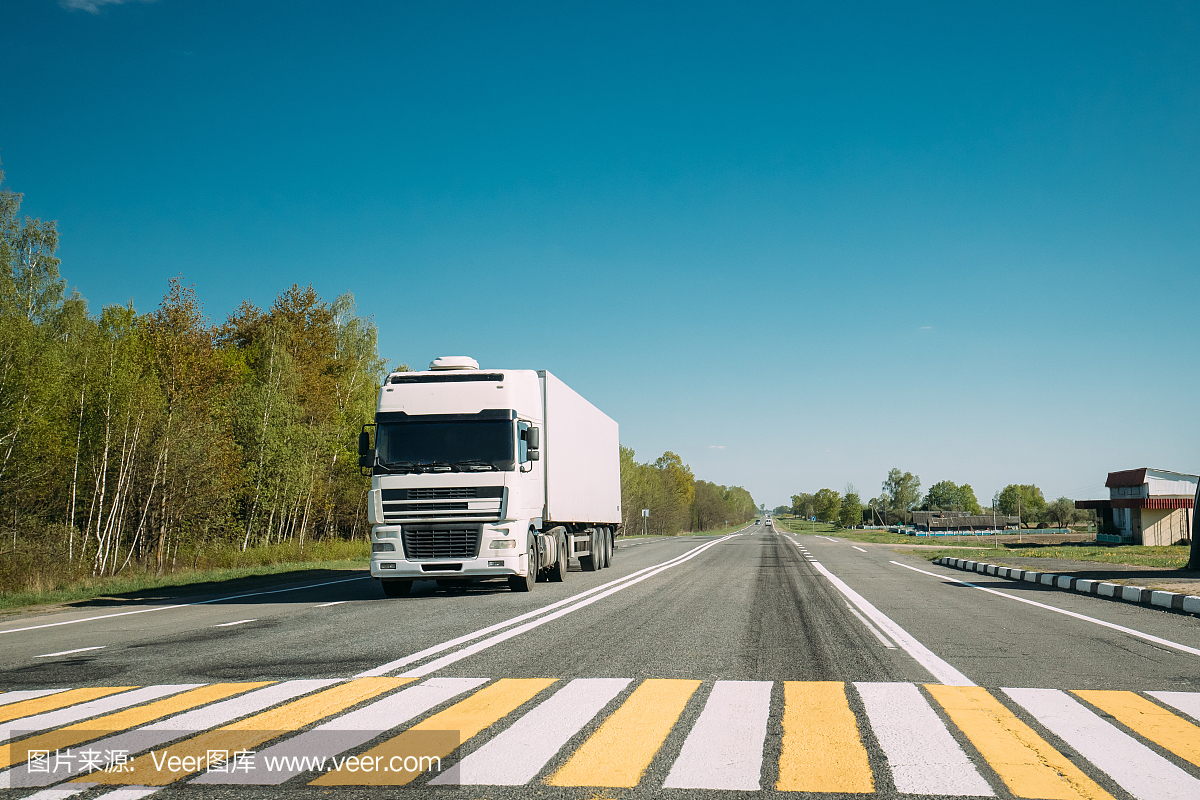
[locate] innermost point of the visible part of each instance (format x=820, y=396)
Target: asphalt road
x=762, y=663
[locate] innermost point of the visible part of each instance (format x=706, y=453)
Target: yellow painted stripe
x=1026, y=763
x=40, y=705
x=621, y=749
x=1153, y=722
x=822, y=751
x=122, y=720
x=245, y=734
x=438, y=736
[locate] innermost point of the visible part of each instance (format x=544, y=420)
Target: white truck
x=484, y=474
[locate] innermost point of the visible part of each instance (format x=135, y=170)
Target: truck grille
x=474, y=503
x=425, y=542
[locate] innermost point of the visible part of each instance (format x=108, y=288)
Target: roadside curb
x=1151, y=598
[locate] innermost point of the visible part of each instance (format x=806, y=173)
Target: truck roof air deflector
x=453, y=362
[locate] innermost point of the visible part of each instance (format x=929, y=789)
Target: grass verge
x=1172, y=557
x=63, y=587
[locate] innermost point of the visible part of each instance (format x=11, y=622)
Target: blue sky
x=797, y=243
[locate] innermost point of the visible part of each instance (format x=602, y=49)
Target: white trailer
x=481, y=474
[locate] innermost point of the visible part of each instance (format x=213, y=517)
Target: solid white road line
x=1139, y=770
x=346, y=732
x=938, y=668
x=882, y=639
x=725, y=748
x=239, y=622
x=923, y=756
x=826, y=537
x=470, y=650
x=180, y=605
x=93, y=708
x=1148, y=637
x=334, y=603
x=177, y=727
x=26, y=694
x=517, y=755
x=1187, y=702
x=68, y=652
x=859, y=549
x=421, y=655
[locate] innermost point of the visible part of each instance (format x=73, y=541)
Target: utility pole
x=1194, y=559
x=1020, y=533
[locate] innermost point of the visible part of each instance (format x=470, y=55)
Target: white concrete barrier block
x=1107, y=589
x=1132, y=593
x=980, y=567
x=992, y=569
x=1049, y=580
x=1064, y=581
x=1085, y=586
x=1162, y=599
x=1033, y=577
x=1191, y=604
x=970, y=565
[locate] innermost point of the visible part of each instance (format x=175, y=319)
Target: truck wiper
x=401, y=466
x=435, y=466
x=475, y=463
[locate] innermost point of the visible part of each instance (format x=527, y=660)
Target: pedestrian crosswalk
x=597, y=733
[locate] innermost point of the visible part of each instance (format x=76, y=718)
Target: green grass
x=233, y=564
x=825, y=529
x=1172, y=557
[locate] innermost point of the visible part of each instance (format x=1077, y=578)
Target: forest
x=152, y=441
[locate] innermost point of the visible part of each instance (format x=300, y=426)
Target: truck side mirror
x=533, y=455
x=533, y=438
x=367, y=459
x=364, y=443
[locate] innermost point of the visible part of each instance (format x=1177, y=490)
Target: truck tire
x=558, y=570
x=593, y=562
x=525, y=584
x=601, y=554
x=396, y=588
x=608, y=547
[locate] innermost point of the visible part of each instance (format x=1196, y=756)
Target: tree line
x=131, y=438
x=676, y=499
x=900, y=495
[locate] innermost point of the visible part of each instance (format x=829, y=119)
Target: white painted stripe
x=181, y=725
x=1187, y=702
x=517, y=755
x=1148, y=637
x=129, y=793
x=878, y=635
x=938, y=668
x=26, y=694
x=859, y=549
x=421, y=655
x=68, y=652
x=826, y=537
x=239, y=622
x=349, y=730
x=923, y=756
x=725, y=748
x=444, y=661
x=181, y=605
x=1139, y=770
x=92, y=708
x=334, y=603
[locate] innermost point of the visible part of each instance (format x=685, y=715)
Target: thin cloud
x=94, y=6
x=716, y=447
x=925, y=328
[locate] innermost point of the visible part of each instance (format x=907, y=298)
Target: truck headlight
x=383, y=547
x=503, y=544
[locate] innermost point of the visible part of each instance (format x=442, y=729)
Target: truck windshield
x=446, y=446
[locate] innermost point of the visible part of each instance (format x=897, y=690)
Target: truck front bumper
x=490, y=563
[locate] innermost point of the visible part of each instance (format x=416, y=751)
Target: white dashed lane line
x=69, y=652
x=239, y=622
x=859, y=549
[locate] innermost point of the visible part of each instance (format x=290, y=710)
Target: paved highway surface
x=762, y=662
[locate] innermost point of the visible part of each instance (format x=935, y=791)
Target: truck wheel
x=608, y=547
x=591, y=563
x=395, y=588
x=519, y=584
x=558, y=570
